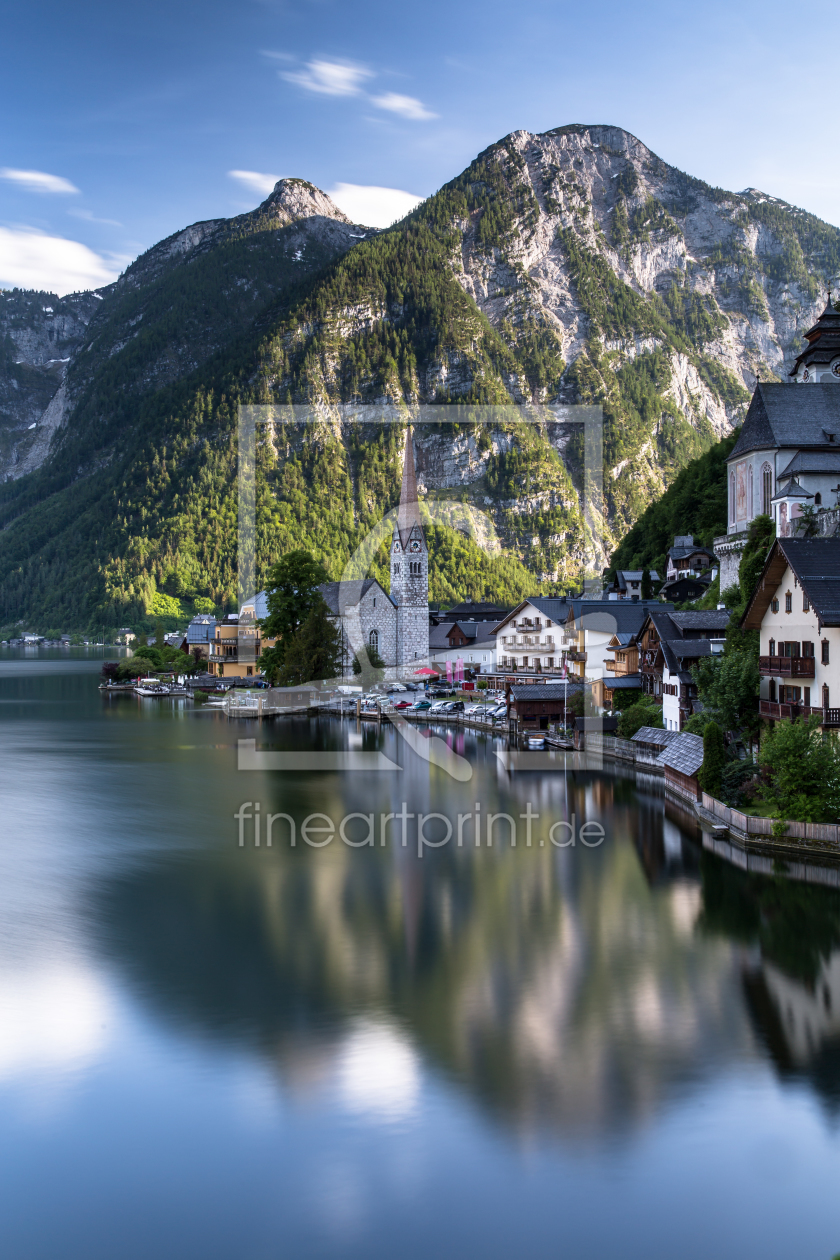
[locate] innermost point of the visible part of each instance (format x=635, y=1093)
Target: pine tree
x=714, y=759
x=313, y=651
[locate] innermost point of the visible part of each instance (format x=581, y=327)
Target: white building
x=796, y=608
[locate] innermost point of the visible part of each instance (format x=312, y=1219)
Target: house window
x=788, y=602
x=808, y=649
x=825, y=652
x=766, y=490
x=772, y=647
x=825, y=696
x=396, y=568
x=806, y=603
x=772, y=689
x=774, y=605
x=818, y=498
x=808, y=697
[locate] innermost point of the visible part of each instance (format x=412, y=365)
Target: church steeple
x=410, y=570
x=820, y=360
x=408, y=515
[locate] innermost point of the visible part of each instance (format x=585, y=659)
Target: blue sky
x=122, y=123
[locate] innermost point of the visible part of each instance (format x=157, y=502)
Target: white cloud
x=256, y=181
x=407, y=106
x=372, y=206
x=38, y=181
x=330, y=78
x=90, y=217
x=33, y=260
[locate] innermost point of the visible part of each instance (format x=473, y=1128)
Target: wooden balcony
x=787, y=666
x=776, y=710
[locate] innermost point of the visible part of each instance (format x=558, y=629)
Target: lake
x=618, y=1049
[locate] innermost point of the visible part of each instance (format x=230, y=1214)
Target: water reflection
x=567, y=991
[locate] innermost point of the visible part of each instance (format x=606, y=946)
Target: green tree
x=647, y=713
x=647, y=585
x=313, y=651
x=728, y=687
x=159, y=633
x=802, y=771
x=292, y=595
x=714, y=759
x=760, y=537
x=373, y=670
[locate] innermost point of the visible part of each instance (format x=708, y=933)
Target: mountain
x=573, y=266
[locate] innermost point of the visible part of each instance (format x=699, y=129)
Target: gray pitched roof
x=812, y=462
x=654, y=735
x=615, y=616
x=792, y=490
x=684, y=754
x=348, y=594
x=701, y=619
x=816, y=562
x=545, y=691
x=624, y=682
x=788, y=415
x=438, y=641
x=680, y=552
x=676, y=651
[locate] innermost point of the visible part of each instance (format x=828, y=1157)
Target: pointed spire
x=409, y=510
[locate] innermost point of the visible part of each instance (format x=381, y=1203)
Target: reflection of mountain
x=560, y=988
x=792, y=975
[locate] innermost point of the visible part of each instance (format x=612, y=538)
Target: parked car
x=438, y=706
x=403, y=704
x=421, y=704
x=455, y=706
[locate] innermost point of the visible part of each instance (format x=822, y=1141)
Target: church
x=787, y=456
x=396, y=625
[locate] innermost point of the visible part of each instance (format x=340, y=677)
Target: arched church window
x=750, y=499
x=817, y=499
x=732, y=498
x=766, y=489
x=373, y=640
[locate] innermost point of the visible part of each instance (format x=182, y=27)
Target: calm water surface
x=213, y=1051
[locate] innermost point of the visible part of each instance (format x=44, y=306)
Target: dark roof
x=556, y=608
x=475, y=611
x=438, y=641
x=624, y=682
x=793, y=490
x=474, y=629
x=614, y=616
x=625, y=638
x=680, y=553
x=348, y=593
x=812, y=462
x=677, y=650
x=596, y=724
x=701, y=619
x=788, y=415
x=816, y=563
x=545, y=691
x=684, y=754
x=684, y=587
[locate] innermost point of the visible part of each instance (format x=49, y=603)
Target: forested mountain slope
x=573, y=266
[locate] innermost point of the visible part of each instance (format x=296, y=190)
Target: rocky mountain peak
x=296, y=199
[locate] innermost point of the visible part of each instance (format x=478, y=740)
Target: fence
x=825, y=833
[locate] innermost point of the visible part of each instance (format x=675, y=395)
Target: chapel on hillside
x=787, y=455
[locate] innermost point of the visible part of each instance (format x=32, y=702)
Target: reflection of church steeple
x=820, y=361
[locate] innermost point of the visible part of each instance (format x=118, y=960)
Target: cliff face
x=573, y=266
x=176, y=306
